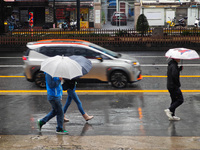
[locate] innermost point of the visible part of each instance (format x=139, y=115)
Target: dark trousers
x=177, y=99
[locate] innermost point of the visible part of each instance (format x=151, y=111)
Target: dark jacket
x=173, y=73
x=69, y=84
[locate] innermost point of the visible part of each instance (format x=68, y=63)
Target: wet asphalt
x=122, y=120
x=115, y=114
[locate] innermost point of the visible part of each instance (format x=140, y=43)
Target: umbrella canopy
x=83, y=62
x=182, y=53
x=59, y=66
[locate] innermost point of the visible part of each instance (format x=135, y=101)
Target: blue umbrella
x=83, y=62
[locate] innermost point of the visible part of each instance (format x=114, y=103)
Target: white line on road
x=165, y=65
x=11, y=57
x=142, y=65
x=11, y=66
x=150, y=56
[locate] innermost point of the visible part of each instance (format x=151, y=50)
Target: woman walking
x=70, y=86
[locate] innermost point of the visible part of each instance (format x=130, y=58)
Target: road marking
x=11, y=66
x=165, y=65
x=99, y=91
x=12, y=76
x=150, y=56
x=145, y=76
x=160, y=76
x=11, y=57
x=142, y=65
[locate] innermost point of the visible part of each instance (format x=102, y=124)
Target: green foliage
x=194, y=32
x=103, y=18
x=121, y=33
x=142, y=24
x=186, y=33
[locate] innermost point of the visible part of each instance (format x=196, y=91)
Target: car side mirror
x=99, y=58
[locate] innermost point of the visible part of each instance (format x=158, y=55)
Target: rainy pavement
x=128, y=121
x=122, y=120
x=138, y=114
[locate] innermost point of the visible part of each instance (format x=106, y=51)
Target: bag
x=68, y=84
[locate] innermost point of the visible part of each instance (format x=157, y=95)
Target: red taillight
x=109, y=69
x=24, y=58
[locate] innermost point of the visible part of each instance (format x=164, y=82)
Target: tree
x=142, y=24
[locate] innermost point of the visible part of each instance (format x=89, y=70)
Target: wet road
x=135, y=112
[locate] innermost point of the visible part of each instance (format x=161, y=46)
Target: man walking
x=54, y=96
x=173, y=86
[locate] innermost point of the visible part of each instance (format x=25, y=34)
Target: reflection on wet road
x=139, y=114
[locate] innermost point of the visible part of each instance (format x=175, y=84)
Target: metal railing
x=103, y=37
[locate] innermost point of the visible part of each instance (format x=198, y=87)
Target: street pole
x=54, y=14
x=78, y=14
x=2, y=27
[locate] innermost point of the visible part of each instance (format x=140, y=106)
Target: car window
x=53, y=51
x=79, y=51
x=26, y=53
x=104, y=50
x=85, y=52
x=120, y=14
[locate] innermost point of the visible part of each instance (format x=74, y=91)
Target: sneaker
x=168, y=113
x=39, y=124
x=174, y=118
x=62, y=132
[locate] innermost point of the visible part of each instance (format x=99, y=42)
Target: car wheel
x=40, y=79
x=118, y=79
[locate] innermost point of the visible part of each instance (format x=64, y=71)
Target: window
x=86, y=53
x=53, y=51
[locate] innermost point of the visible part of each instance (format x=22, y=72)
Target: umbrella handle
x=181, y=64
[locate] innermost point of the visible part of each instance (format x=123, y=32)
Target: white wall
x=169, y=15
x=155, y=16
x=192, y=14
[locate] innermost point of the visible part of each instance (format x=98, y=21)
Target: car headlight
x=136, y=63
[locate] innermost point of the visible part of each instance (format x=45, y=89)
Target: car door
x=99, y=65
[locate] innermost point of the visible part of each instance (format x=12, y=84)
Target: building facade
x=94, y=13
x=39, y=13
x=158, y=12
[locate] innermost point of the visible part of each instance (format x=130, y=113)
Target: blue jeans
x=56, y=111
x=72, y=95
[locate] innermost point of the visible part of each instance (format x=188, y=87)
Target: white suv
x=107, y=66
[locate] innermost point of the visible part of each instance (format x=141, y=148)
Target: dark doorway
x=39, y=16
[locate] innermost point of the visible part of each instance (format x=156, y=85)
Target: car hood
x=127, y=58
